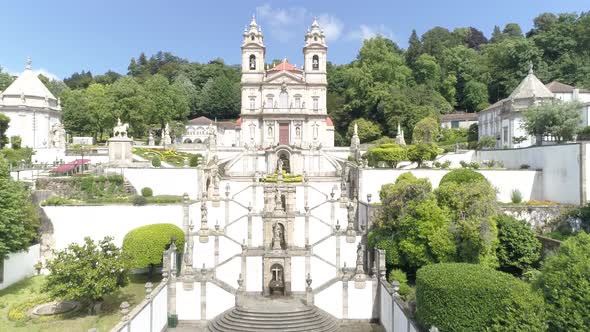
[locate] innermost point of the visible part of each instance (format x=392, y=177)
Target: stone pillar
x=308, y=291
x=345, y=297
x=337, y=233
x=360, y=276
x=187, y=268
x=249, y=225
x=120, y=150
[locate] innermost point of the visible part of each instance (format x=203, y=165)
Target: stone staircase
x=278, y=315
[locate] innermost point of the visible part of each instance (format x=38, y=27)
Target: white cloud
x=331, y=25
x=46, y=73
x=370, y=31
x=281, y=20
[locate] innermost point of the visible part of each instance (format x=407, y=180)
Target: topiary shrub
x=145, y=244
x=515, y=196
x=470, y=297
x=147, y=192
x=139, y=200
x=156, y=162
x=462, y=175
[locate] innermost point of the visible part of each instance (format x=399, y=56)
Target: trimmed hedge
x=156, y=162
x=146, y=244
x=462, y=175
x=469, y=297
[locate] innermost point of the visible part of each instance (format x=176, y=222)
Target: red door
x=284, y=133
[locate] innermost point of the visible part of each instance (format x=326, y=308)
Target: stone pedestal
x=120, y=151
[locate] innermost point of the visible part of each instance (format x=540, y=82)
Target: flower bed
x=289, y=178
x=169, y=156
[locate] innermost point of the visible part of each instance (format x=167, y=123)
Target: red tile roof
x=285, y=65
x=202, y=120
x=69, y=166
x=558, y=87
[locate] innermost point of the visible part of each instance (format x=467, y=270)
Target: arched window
x=252, y=62
x=269, y=101
x=315, y=62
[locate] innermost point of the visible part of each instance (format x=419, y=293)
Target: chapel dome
x=28, y=90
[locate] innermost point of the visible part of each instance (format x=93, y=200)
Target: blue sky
x=64, y=36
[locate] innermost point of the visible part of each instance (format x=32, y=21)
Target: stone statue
x=212, y=137
x=151, y=141
x=350, y=209
x=120, y=129
x=203, y=212
x=277, y=237
x=58, y=136
x=278, y=203
x=280, y=166
x=166, y=135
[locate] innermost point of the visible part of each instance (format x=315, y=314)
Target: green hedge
x=462, y=175
x=147, y=192
x=469, y=297
x=145, y=245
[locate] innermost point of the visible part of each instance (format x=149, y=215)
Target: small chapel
x=34, y=112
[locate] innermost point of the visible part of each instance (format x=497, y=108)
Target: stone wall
x=539, y=217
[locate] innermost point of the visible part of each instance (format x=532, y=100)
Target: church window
x=252, y=62
x=200, y=131
x=315, y=38
x=284, y=100
x=316, y=103
x=269, y=101
x=269, y=131
x=298, y=132
x=297, y=101
x=252, y=130
x=316, y=130
x=315, y=62
x=252, y=104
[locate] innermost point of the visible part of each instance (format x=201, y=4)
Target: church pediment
x=284, y=77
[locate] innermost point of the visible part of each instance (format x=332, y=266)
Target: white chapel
x=34, y=112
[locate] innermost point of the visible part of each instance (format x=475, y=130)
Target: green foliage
x=391, y=154
x=86, y=272
x=18, y=217
x=57, y=201
x=413, y=229
x=405, y=291
x=147, y=192
x=156, y=161
x=146, y=244
x=4, y=124
x=16, y=142
x=584, y=134
x=462, y=175
x=565, y=283
x=473, y=207
x=139, y=200
x=518, y=247
x=425, y=131
x=194, y=160
x=421, y=152
x=468, y=297
x=16, y=157
x=486, y=142
x=556, y=118
x=170, y=156
x=516, y=196
x=367, y=130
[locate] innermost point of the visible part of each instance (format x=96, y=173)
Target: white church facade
x=34, y=112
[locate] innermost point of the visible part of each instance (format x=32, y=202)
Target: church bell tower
x=314, y=54
x=253, y=52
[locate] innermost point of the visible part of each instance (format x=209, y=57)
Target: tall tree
x=475, y=38
x=100, y=108
x=79, y=80
x=132, y=104
x=414, y=49
x=555, y=118
x=170, y=103
x=512, y=30
x=5, y=80
x=4, y=124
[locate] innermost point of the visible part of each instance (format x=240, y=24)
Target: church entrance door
x=284, y=133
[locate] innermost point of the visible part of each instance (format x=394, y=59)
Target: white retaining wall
x=151, y=315
x=359, y=301
x=391, y=315
x=163, y=181
x=528, y=182
x=73, y=223
x=561, y=181
x=188, y=302
x=20, y=265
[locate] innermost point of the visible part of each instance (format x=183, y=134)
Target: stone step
x=256, y=320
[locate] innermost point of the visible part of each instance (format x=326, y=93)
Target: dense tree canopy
x=441, y=70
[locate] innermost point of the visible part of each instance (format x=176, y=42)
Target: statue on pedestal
x=277, y=238
x=58, y=136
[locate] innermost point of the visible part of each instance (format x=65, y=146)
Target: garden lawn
x=30, y=289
